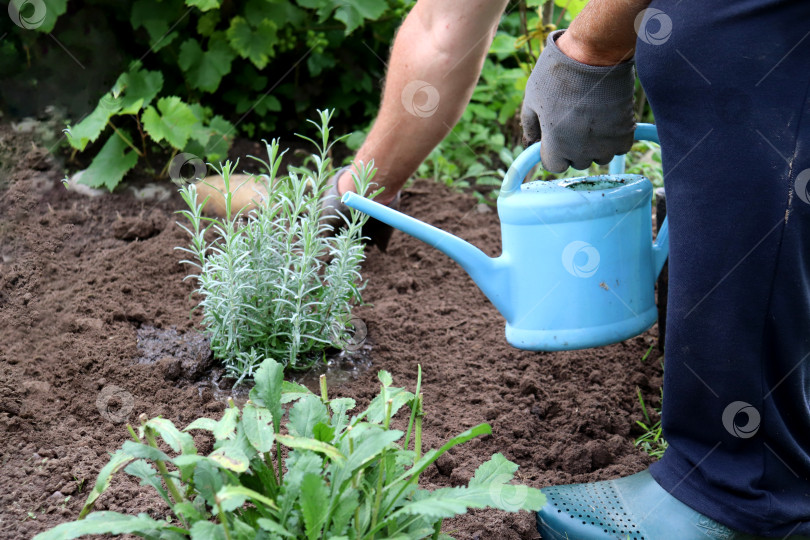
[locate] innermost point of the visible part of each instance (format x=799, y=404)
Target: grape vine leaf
x=40, y=16
x=110, y=165
x=91, y=126
x=203, y=5
x=573, y=7
x=204, y=69
x=257, y=45
x=173, y=124
x=352, y=14
x=138, y=88
x=155, y=17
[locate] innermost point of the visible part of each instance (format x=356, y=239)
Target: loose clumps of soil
x=97, y=328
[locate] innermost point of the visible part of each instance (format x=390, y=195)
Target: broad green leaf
x=208, y=424
x=258, y=425
x=137, y=87
x=203, y=5
x=340, y=407
x=156, y=17
x=352, y=14
x=205, y=69
x=187, y=463
x=314, y=505
x=432, y=455
x=205, y=530
x=188, y=511
x=207, y=23
x=117, y=461
x=267, y=392
x=274, y=527
x=92, y=125
x=496, y=469
x=344, y=511
x=105, y=523
x=110, y=164
x=366, y=449
x=236, y=492
x=377, y=408
x=385, y=378
x=292, y=15
x=572, y=6
x=230, y=458
x=227, y=425
x=176, y=439
x=174, y=123
x=291, y=391
x=311, y=444
x=256, y=45
x=307, y=412
x=149, y=477
x=450, y=502
x=40, y=16
x=207, y=481
x=144, y=451
x=323, y=432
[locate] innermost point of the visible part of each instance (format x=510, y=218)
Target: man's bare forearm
x=603, y=34
x=434, y=66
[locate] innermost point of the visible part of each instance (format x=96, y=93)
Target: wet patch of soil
x=97, y=328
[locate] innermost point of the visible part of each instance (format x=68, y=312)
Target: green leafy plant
x=344, y=477
x=652, y=440
x=191, y=128
x=273, y=283
x=194, y=71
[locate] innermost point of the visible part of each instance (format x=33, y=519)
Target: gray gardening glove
x=582, y=113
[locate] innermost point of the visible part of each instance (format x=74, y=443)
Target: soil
x=96, y=329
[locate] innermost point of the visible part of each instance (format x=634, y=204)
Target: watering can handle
x=531, y=156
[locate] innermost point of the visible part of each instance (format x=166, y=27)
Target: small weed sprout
x=272, y=283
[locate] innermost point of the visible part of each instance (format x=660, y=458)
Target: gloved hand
x=582, y=113
x=333, y=212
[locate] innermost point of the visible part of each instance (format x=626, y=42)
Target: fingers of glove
x=581, y=164
x=531, y=126
x=604, y=160
x=552, y=160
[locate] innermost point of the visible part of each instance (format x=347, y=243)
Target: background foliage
x=160, y=77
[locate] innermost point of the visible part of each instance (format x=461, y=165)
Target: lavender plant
x=277, y=282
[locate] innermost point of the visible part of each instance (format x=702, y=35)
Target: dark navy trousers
x=729, y=85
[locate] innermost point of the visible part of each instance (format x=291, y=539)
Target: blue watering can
x=579, y=265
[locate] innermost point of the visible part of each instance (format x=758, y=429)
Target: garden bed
x=95, y=326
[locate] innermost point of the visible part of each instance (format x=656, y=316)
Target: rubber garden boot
x=635, y=507
x=377, y=232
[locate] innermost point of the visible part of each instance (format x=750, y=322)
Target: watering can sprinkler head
x=578, y=265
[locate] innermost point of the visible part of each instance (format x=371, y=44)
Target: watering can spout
x=490, y=274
